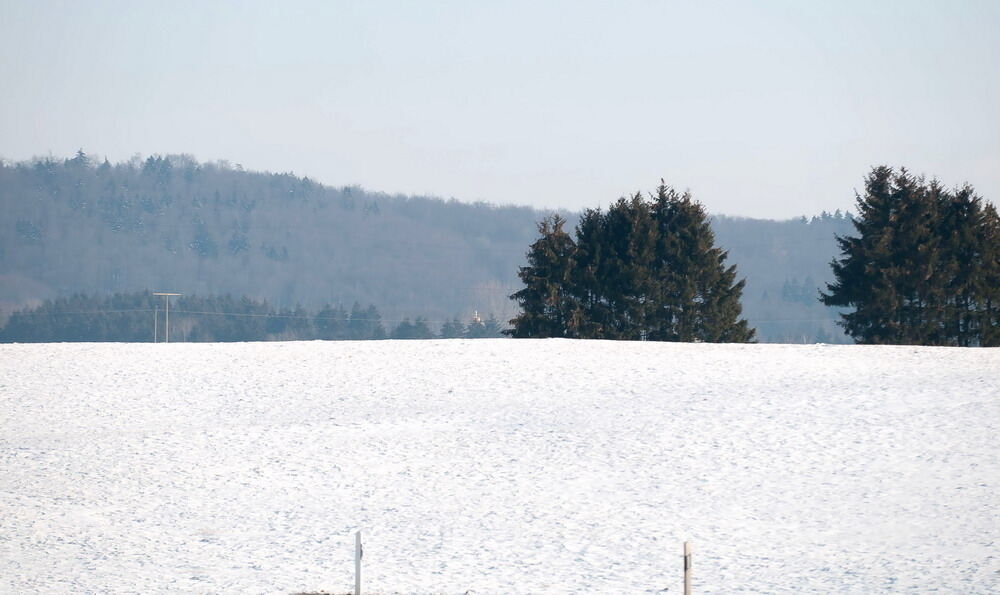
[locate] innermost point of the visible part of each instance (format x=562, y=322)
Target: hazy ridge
x=171, y=223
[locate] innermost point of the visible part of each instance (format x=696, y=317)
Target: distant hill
x=785, y=263
x=172, y=223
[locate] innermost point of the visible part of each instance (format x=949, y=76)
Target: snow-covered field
x=498, y=466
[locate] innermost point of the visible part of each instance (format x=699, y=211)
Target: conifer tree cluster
x=450, y=329
x=646, y=269
x=924, y=268
x=140, y=317
x=135, y=317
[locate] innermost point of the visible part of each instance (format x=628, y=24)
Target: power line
x=59, y=313
x=776, y=320
x=233, y=314
x=333, y=318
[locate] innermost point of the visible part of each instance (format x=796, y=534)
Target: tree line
x=923, y=267
x=84, y=225
x=141, y=317
x=645, y=269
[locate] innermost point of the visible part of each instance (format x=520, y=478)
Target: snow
x=498, y=466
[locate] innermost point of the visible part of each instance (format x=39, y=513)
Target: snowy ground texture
x=498, y=466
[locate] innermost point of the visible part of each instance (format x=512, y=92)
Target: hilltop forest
x=170, y=223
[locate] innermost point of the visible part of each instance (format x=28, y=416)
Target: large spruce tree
x=986, y=284
x=546, y=306
x=643, y=269
x=698, y=296
x=919, y=270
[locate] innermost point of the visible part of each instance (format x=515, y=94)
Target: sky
x=761, y=109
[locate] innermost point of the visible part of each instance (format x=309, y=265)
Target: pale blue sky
x=768, y=109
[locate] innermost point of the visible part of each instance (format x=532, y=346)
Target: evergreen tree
x=403, y=330
x=357, y=324
x=375, y=329
x=645, y=269
x=298, y=325
x=420, y=329
x=492, y=327
x=961, y=219
x=986, y=285
x=546, y=305
x=861, y=275
x=452, y=329
x=916, y=252
x=627, y=269
x=696, y=298
x=417, y=329
x=365, y=323
x=331, y=323
x=591, y=313
x=918, y=270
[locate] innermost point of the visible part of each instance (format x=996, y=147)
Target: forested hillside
x=173, y=224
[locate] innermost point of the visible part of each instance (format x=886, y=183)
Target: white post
x=687, y=568
x=358, y=552
x=156, y=317
x=166, y=298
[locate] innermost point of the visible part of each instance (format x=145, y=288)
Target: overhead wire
x=317, y=317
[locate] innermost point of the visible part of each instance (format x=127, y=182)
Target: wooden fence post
x=687, y=568
x=358, y=552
